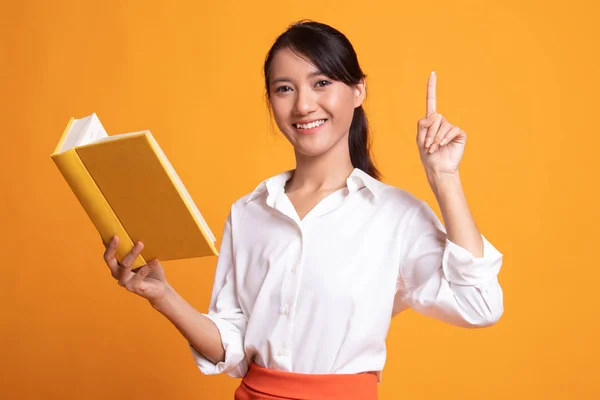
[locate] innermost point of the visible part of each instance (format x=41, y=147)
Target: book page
x=119, y=136
x=75, y=134
x=84, y=131
x=94, y=132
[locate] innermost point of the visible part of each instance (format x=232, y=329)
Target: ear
x=360, y=92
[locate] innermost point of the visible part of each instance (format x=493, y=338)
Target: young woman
x=316, y=261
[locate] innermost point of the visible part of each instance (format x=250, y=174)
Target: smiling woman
x=312, y=77
x=316, y=261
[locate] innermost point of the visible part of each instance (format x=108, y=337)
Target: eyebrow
x=286, y=79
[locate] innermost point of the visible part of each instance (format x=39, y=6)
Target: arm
x=443, y=280
x=449, y=273
x=441, y=147
x=198, y=329
x=459, y=223
x=215, y=338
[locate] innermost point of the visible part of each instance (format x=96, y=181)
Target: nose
x=305, y=102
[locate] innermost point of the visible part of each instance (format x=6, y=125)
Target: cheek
x=279, y=110
x=341, y=105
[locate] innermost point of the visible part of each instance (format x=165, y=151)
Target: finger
x=124, y=273
x=133, y=254
x=134, y=284
x=431, y=94
x=422, y=125
x=444, y=129
x=109, y=255
x=450, y=136
x=432, y=131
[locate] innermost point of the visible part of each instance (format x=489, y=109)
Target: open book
x=128, y=188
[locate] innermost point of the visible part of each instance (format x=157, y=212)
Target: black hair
x=333, y=54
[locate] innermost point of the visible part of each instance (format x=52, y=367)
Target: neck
x=325, y=172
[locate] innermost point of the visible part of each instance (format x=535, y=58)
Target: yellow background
x=521, y=78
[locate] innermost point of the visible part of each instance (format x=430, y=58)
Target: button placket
x=289, y=292
x=283, y=352
x=289, y=286
x=294, y=292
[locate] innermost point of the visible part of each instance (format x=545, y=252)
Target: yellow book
x=128, y=188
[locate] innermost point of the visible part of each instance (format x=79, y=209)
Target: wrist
x=433, y=174
x=442, y=180
x=167, y=303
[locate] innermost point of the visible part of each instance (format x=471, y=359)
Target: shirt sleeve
x=226, y=314
x=443, y=280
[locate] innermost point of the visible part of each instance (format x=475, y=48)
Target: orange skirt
x=266, y=384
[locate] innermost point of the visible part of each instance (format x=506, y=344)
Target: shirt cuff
x=234, y=364
x=462, y=268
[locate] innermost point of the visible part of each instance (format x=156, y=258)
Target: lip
x=310, y=131
x=308, y=121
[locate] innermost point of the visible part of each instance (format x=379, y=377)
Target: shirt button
x=279, y=353
x=294, y=269
x=286, y=310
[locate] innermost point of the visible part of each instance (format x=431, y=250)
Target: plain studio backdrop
x=520, y=77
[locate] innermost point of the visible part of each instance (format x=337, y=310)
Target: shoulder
x=398, y=199
x=256, y=196
x=410, y=216
x=387, y=195
x=239, y=206
x=411, y=210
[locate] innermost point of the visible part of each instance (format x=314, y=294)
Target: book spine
x=94, y=203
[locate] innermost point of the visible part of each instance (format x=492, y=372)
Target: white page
x=84, y=131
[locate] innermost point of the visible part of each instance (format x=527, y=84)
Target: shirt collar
x=357, y=180
x=362, y=179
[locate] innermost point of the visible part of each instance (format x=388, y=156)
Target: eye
x=323, y=83
x=283, y=89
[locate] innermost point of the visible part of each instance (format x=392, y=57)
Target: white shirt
x=317, y=295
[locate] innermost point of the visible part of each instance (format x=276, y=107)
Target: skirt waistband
x=261, y=384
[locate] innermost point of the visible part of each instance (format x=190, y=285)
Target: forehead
x=288, y=63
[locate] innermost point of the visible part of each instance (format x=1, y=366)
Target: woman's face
x=313, y=112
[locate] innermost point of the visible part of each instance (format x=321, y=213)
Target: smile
x=310, y=125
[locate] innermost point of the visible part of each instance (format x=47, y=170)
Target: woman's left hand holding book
x=148, y=281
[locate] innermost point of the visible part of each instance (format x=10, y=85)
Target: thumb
x=156, y=269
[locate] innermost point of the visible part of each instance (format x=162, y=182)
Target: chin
x=314, y=145
x=312, y=153
x=316, y=148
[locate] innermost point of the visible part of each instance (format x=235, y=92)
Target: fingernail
x=443, y=142
x=428, y=142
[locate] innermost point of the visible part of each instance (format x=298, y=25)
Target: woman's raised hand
x=441, y=144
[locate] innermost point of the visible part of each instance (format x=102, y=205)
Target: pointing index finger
x=431, y=94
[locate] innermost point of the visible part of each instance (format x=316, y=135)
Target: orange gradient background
x=521, y=78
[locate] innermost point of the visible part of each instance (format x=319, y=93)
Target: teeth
x=313, y=124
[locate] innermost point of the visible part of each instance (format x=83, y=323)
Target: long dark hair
x=332, y=53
